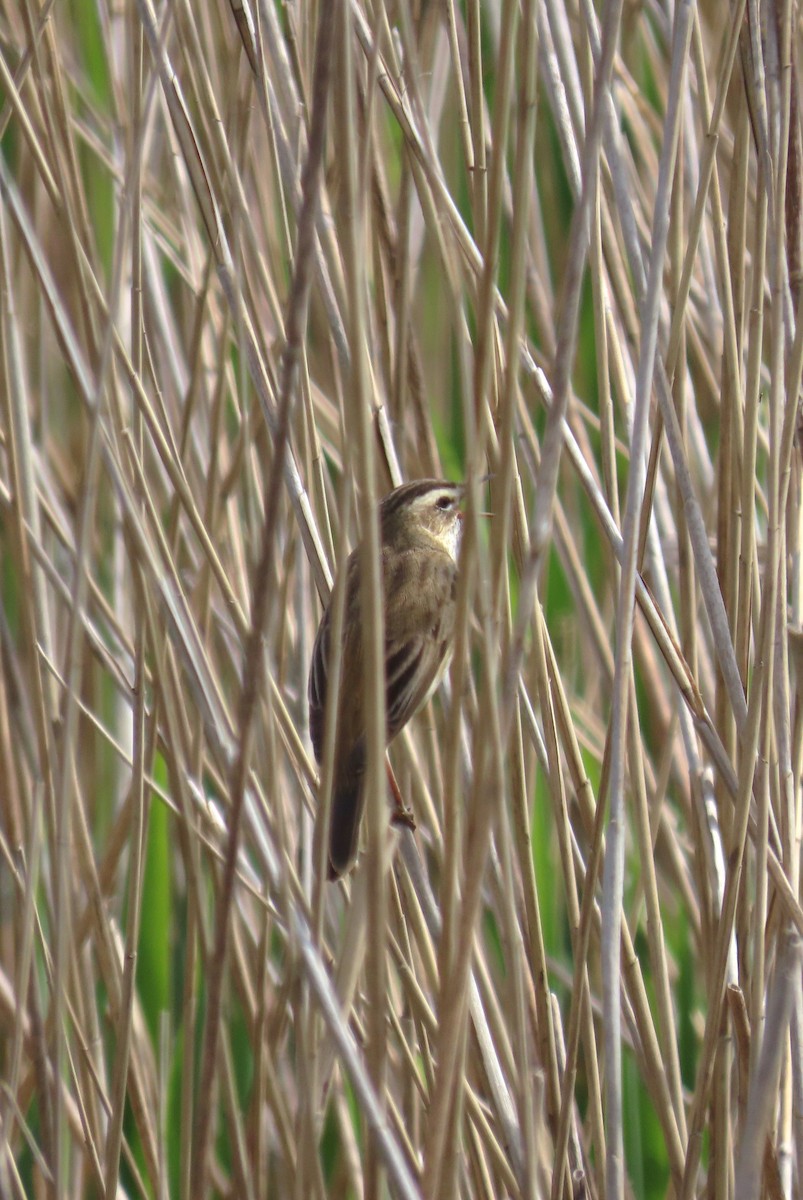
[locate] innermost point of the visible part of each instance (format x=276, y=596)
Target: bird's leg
x=401, y=814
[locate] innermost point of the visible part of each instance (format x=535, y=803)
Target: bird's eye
x=444, y=503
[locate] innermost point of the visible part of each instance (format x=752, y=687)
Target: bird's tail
x=348, y=802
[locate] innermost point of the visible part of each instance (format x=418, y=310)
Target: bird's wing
x=419, y=610
x=419, y=598
x=350, y=665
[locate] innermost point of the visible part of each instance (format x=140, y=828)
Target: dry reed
x=259, y=264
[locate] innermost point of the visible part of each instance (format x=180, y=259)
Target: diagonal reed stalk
x=551, y=249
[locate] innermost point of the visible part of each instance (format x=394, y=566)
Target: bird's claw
x=402, y=815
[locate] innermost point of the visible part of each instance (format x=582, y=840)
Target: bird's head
x=424, y=511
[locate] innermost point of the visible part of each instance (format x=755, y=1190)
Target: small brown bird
x=420, y=528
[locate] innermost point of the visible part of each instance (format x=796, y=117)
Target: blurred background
x=260, y=263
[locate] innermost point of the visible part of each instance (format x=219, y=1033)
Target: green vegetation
x=626, y=686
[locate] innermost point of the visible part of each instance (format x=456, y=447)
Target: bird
x=420, y=527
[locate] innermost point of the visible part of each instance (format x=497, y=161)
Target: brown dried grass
x=560, y=252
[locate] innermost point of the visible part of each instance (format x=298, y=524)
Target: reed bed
x=259, y=264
